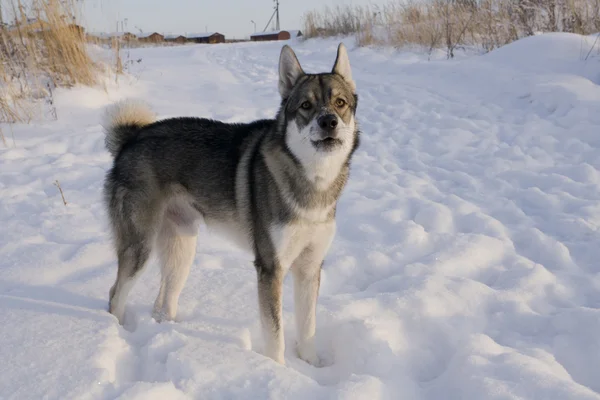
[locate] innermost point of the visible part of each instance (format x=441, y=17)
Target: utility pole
x=275, y=14
x=277, y=18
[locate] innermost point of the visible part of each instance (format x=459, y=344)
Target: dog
x=271, y=186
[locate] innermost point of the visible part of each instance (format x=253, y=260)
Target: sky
x=230, y=17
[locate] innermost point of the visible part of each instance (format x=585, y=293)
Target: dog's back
x=174, y=150
x=195, y=157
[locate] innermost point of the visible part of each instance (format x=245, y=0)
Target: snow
x=173, y=36
x=267, y=33
x=465, y=264
x=104, y=35
x=293, y=33
x=145, y=35
x=200, y=35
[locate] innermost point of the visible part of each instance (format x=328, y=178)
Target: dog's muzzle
x=328, y=123
x=328, y=133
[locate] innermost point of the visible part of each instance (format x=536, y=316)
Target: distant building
x=121, y=35
x=208, y=37
x=29, y=25
x=110, y=38
x=276, y=35
x=153, y=37
x=77, y=29
x=34, y=26
x=128, y=36
x=113, y=35
x=175, y=38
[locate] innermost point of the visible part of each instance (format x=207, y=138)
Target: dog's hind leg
x=132, y=258
x=176, y=245
x=134, y=219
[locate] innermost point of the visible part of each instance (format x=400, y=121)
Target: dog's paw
x=160, y=315
x=274, y=355
x=118, y=313
x=308, y=353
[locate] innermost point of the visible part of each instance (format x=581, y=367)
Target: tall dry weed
x=451, y=24
x=40, y=48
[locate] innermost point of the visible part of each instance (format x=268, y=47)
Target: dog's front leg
x=307, y=278
x=270, y=284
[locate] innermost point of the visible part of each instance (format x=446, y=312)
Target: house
x=30, y=25
x=37, y=26
x=207, y=37
x=42, y=28
x=275, y=35
x=109, y=39
x=126, y=35
x=113, y=35
x=93, y=37
x=153, y=37
x=77, y=29
x=175, y=38
x=295, y=33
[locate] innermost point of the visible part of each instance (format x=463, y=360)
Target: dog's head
x=319, y=109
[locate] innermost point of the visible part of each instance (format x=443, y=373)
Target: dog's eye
x=340, y=103
x=306, y=105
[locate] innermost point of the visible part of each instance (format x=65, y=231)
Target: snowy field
x=466, y=264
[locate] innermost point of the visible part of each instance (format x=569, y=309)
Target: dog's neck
x=320, y=167
x=296, y=186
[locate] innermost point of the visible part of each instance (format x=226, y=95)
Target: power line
x=275, y=13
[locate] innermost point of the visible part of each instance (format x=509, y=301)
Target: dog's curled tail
x=122, y=121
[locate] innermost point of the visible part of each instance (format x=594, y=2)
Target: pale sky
x=230, y=17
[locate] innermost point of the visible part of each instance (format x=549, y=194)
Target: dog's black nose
x=327, y=122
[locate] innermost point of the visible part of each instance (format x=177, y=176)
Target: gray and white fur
x=271, y=186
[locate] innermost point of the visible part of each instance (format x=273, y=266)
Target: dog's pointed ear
x=289, y=71
x=342, y=66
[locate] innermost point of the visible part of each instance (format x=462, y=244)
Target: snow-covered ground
x=466, y=264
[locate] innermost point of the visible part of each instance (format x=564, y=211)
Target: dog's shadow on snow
x=52, y=300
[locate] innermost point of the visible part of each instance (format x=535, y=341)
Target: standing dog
x=271, y=186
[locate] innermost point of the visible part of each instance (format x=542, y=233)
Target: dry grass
x=40, y=49
x=341, y=20
x=62, y=194
x=450, y=24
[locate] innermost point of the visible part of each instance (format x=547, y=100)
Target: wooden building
x=207, y=37
x=276, y=35
x=77, y=29
x=175, y=39
x=153, y=37
x=110, y=39
x=39, y=27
